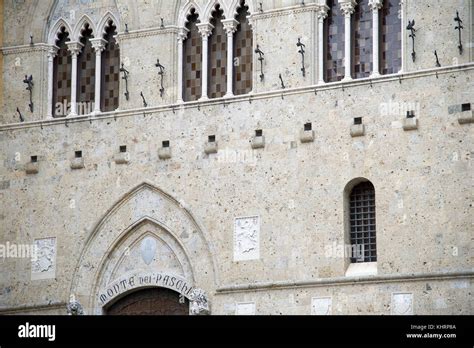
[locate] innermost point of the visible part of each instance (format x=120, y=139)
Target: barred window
x=362, y=63
x=334, y=43
x=62, y=66
x=391, y=57
x=243, y=53
x=362, y=222
x=192, y=60
x=217, y=56
x=110, y=84
x=86, y=73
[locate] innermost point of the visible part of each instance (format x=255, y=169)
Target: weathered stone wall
x=423, y=181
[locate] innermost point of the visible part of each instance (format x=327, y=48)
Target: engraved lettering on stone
x=402, y=304
x=44, y=262
x=148, y=249
x=246, y=238
x=321, y=306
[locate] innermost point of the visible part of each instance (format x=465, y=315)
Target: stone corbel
x=199, y=303
x=74, y=308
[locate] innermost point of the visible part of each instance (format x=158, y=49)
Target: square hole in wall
x=357, y=120
x=123, y=148
x=411, y=114
x=466, y=107
x=34, y=159
x=258, y=133
x=211, y=138
x=308, y=126
x=166, y=143
x=78, y=154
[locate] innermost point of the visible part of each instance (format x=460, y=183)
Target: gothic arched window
x=362, y=40
x=334, y=43
x=86, y=73
x=110, y=84
x=192, y=74
x=217, y=76
x=391, y=57
x=62, y=65
x=243, y=53
x=362, y=223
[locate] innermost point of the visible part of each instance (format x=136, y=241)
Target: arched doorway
x=151, y=301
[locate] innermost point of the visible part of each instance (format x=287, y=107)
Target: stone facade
x=259, y=230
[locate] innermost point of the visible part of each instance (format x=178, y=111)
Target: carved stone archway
x=147, y=239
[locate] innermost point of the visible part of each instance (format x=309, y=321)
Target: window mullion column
x=74, y=48
x=322, y=15
x=99, y=46
x=182, y=35
x=230, y=26
x=205, y=29
x=347, y=8
x=375, y=6
x=52, y=52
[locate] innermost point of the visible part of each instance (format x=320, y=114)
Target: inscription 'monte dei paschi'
x=134, y=281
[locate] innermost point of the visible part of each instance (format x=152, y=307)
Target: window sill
x=362, y=269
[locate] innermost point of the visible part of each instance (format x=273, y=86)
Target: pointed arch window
x=362, y=222
x=243, y=53
x=62, y=65
x=192, y=67
x=391, y=40
x=110, y=84
x=217, y=76
x=334, y=42
x=362, y=40
x=86, y=73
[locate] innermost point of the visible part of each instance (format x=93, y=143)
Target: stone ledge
x=466, y=117
x=245, y=98
x=410, y=124
x=210, y=148
x=342, y=281
x=258, y=142
x=307, y=136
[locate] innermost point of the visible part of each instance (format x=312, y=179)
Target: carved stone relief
x=247, y=238
x=43, y=265
x=321, y=306
x=402, y=304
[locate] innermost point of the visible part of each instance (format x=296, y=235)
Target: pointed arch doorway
x=149, y=301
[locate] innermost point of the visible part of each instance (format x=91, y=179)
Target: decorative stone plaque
x=321, y=306
x=402, y=304
x=245, y=308
x=247, y=238
x=148, y=249
x=43, y=265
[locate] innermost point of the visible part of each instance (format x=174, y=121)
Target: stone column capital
x=375, y=5
x=74, y=47
x=205, y=29
x=52, y=51
x=347, y=7
x=230, y=25
x=98, y=44
x=182, y=34
x=323, y=12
